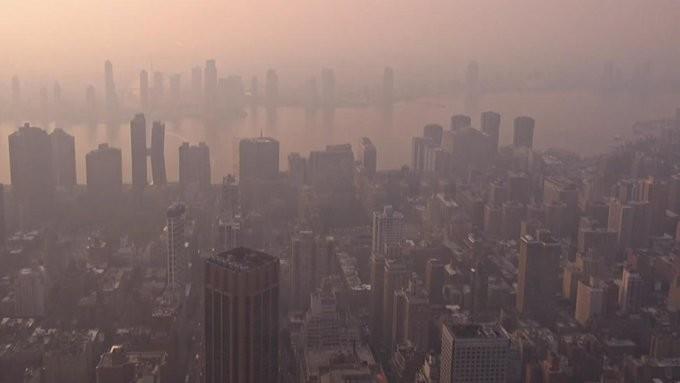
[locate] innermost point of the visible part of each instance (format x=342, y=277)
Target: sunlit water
x=578, y=121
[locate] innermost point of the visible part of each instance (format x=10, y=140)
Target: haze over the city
x=69, y=39
x=338, y=191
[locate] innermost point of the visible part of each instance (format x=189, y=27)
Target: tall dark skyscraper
x=491, y=125
x=104, y=171
x=368, y=156
x=523, y=132
x=539, y=261
x=210, y=85
x=194, y=166
x=63, y=159
x=241, y=317
x=144, y=90
x=138, y=151
x=158, y=154
x=258, y=158
x=110, y=97
x=30, y=160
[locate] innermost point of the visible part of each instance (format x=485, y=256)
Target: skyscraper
x=110, y=97
x=474, y=353
x=30, y=160
x=589, y=301
x=30, y=288
x=176, y=253
x=138, y=151
x=241, y=317
x=63, y=159
x=395, y=278
x=328, y=88
x=631, y=291
x=144, y=90
x=491, y=125
x=104, y=171
x=369, y=156
x=537, y=283
x=388, y=230
x=377, y=325
x=480, y=287
x=194, y=166
x=258, y=158
x=210, y=85
x=158, y=154
x=460, y=121
x=302, y=262
x=523, y=132
x=433, y=132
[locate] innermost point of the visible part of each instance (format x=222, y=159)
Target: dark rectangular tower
x=241, y=317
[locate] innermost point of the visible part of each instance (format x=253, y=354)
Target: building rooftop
x=477, y=331
x=242, y=259
x=259, y=140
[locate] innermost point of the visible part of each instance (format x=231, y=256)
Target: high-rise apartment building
x=63, y=159
x=30, y=161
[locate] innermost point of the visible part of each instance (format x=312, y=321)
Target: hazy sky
x=72, y=38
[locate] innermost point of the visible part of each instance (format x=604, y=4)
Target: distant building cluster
x=478, y=261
